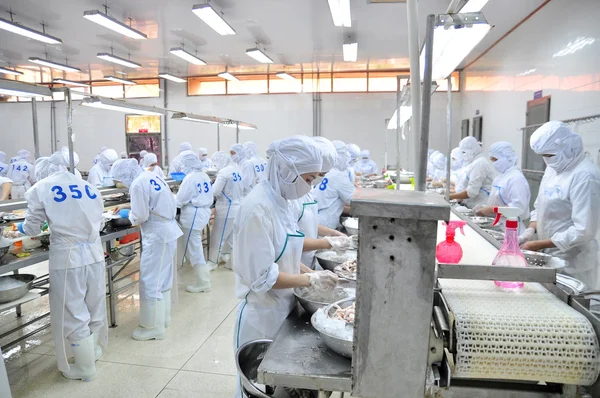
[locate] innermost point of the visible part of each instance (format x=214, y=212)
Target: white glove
x=339, y=243
x=477, y=210
x=323, y=280
x=526, y=236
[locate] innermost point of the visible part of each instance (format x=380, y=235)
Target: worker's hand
x=119, y=208
x=481, y=210
x=526, y=236
x=531, y=246
x=323, y=280
x=339, y=243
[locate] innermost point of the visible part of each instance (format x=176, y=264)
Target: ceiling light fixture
x=109, y=22
x=228, y=76
x=213, y=19
x=259, y=55
x=171, y=77
x=473, y=6
x=54, y=65
x=8, y=71
x=237, y=124
x=196, y=118
x=70, y=83
x=285, y=76
x=27, y=32
x=20, y=89
x=574, y=46
x=118, y=60
x=191, y=58
x=527, y=72
x=340, y=12
x=119, y=80
x=350, y=52
x=122, y=106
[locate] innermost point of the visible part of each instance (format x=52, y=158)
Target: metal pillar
x=237, y=132
x=398, y=129
x=166, y=135
x=36, y=136
x=69, y=106
x=426, y=109
x=53, y=127
x=218, y=137
x=449, y=131
x=415, y=70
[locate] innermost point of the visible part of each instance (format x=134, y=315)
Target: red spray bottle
x=449, y=251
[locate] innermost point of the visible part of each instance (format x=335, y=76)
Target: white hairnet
x=329, y=153
x=558, y=139
x=240, y=153
x=343, y=157
x=439, y=160
x=250, y=148
x=150, y=159
x=457, y=159
x=220, y=159
x=42, y=168
x=470, y=148
x=108, y=157
x=102, y=149
x=66, y=159
x=291, y=157
x=143, y=153
x=185, y=146
x=123, y=155
x=202, y=151
x=23, y=154
x=353, y=151
x=364, y=154
x=190, y=162
x=2, y=156
x=430, y=152
x=504, y=153
x=125, y=171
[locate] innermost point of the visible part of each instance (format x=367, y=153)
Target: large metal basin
x=6, y=296
x=342, y=291
x=247, y=359
x=339, y=345
x=329, y=259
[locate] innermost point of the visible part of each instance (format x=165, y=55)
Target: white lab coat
x=366, y=166
x=73, y=209
x=266, y=243
x=156, y=169
x=97, y=174
x=194, y=198
x=479, y=175
x=153, y=207
x=332, y=194
x=3, y=169
x=206, y=164
x=22, y=174
x=567, y=210
x=228, y=189
x=248, y=176
x=352, y=174
x=260, y=169
x=511, y=189
x=306, y=213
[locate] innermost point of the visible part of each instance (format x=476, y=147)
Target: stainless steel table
x=298, y=358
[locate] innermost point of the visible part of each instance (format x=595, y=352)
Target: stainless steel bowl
x=311, y=306
x=570, y=284
x=4, y=251
x=341, y=346
x=499, y=236
x=248, y=358
x=538, y=259
x=6, y=296
x=326, y=261
x=350, y=230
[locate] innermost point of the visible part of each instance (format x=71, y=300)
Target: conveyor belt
x=525, y=334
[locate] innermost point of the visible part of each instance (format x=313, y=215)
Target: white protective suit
x=354, y=154
x=259, y=165
x=175, y=164
x=3, y=165
x=73, y=209
x=22, y=173
x=365, y=164
x=567, y=208
x=479, y=173
x=245, y=166
x=100, y=173
x=203, y=155
x=510, y=188
x=458, y=176
x=148, y=161
x=430, y=168
x=335, y=190
x=267, y=241
x=228, y=189
x=438, y=160
x=59, y=161
x=42, y=168
x=123, y=155
x=97, y=158
x=143, y=153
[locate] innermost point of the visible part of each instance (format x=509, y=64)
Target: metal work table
x=298, y=358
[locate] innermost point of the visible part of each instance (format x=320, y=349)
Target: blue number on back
x=74, y=189
x=236, y=177
x=1, y=169
x=323, y=185
x=262, y=167
x=60, y=195
x=257, y=168
x=24, y=168
x=155, y=185
x=88, y=191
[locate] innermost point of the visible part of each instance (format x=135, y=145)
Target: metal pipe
x=166, y=136
x=218, y=137
x=25, y=337
x=426, y=105
x=237, y=132
x=69, y=106
x=398, y=129
x=24, y=325
x=449, y=131
x=53, y=127
x=36, y=133
x=415, y=70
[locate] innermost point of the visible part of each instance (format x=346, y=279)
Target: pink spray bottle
x=510, y=254
x=449, y=251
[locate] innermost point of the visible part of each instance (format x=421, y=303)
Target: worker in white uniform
x=307, y=214
x=3, y=165
x=99, y=175
x=42, y=168
x=175, y=165
x=123, y=155
x=334, y=193
x=238, y=156
x=150, y=163
x=567, y=209
x=6, y=186
x=259, y=164
x=430, y=167
x=479, y=174
x=153, y=207
x=22, y=174
x=510, y=188
x=203, y=156
x=97, y=158
x=268, y=246
x=194, y=198
x=353, y=156
x=365, y=165
x=228, y=190
x=73, y=209
x=143, y=153
x=55, y=164
x=438, y=161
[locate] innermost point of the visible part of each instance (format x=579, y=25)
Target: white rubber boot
x=226, y=259
x=202, y=279
x=84, y=367
x=212, y=266
x=152, y=321
x=97, y=349
x=167, y=299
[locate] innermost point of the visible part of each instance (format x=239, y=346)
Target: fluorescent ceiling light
x=340, y=12
x=285, y=76
x=54, y=65
x=228, y=76
x=259, y=55
x=20, y=89
x=574, y=46
x=70, y=83
x=119, y=80
x=8, y=71
x=112, y=24
x=527, y=72
x=122, y=106
x=473, y=6
x=27, y=32
x=241, y=125
x=196, y=118
x=191, y=58
x=118, y=60
x=173, y=78
x=350, y=52
x=451, y=45
x=213, y=19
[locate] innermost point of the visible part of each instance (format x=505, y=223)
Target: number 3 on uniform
x=236, y=177
x=323, y=185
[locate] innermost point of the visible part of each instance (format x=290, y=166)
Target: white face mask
x=294, y=190
x=501, y=165
x=203, y=157
x=557, y=162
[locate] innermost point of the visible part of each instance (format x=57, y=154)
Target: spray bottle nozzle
x=451, y=227
x=510, y=213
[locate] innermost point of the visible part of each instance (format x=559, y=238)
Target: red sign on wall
x=142, y=130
